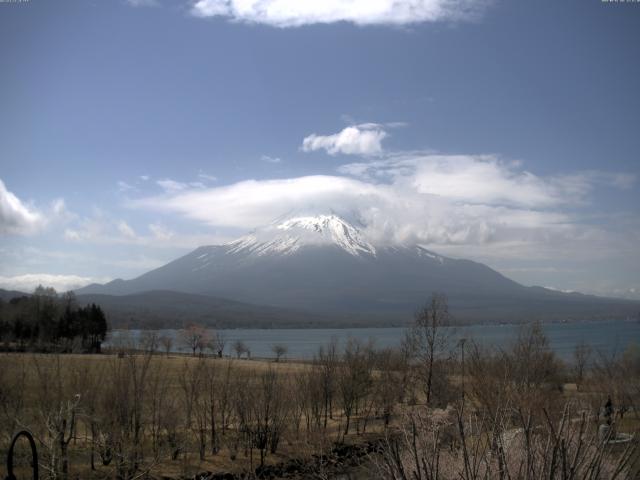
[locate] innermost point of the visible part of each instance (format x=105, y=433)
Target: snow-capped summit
x=325, y=265
x=294, y=233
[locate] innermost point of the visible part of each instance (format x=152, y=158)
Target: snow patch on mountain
x=290, y=235
x=426, y=253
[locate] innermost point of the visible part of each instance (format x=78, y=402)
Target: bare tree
x=526, y=374
x=279, y=350
x=213, y=389
x=298, y=388
x=123, y=410
x=58, y=415
x=167, y=342
x=219, y=342
x=616, y=376
x=581, y=355
x=195, y=338
x=311, y=396
x=159, y=408
x=390, y=365
x=224, y=403
x=216, y=343
x=240, y=348
x=193, y=381
x=354, y=378
x=149, y=341
x=326, y=363
x=429, y=335
x=271, y=409
x=534, y=370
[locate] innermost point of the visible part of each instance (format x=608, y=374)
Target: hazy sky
x=506, y=132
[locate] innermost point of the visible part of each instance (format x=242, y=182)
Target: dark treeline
x=46, y=321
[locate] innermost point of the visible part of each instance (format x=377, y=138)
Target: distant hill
x=7, y=295
x=166, y=309
x=325, y=266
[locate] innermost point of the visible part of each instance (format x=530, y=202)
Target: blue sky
x=502, y=131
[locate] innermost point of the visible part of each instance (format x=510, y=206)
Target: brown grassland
x=433, y=413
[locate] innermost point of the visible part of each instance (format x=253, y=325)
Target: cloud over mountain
x=438, y=200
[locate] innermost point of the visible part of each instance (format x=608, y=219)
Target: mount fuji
x=325, y=266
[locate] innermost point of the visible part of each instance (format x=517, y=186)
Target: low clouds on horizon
x=62, y=283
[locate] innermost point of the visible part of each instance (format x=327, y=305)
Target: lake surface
x=607, y=336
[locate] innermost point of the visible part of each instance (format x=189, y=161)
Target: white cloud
x=365, y=139
x=468, y=206
x=72, y=234
x=17, y=218
x=62, y=283
x=126, y=230
x=99, y=226
x=102, y=229
x=160, y=232
x=124, y=186
x=484, y=180
x=172, y=186
x=207, y=177
x=632, y=293
x=143, y=3
x=295, y=13
x=59, y=207
x=125, y=262
x=139, y=264
x=250, y=203
x=268, y=159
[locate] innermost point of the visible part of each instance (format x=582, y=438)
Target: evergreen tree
x=48, y=321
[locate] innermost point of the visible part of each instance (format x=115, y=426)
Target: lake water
x=607, y=336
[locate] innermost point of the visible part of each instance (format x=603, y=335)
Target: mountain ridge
x=323, y=264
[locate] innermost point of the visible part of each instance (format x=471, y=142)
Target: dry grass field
x=134, y=414
x=40, y=391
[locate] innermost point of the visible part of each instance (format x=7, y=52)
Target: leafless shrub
x=567, y=449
